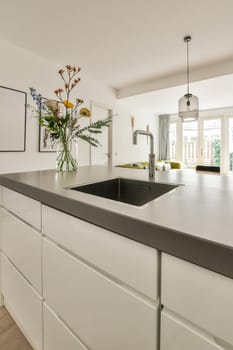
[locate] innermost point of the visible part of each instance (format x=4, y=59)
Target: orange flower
x=68, y=104
x=79, y=101
x=58, y=91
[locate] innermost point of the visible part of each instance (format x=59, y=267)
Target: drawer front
x=102, y=314
x=128, y=261
x=178, y=336
x=56, y=335
x=26, y=208
x=199, y=295
x=22, y=244
x=23, y=302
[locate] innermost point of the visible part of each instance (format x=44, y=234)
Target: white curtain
x=164, y=152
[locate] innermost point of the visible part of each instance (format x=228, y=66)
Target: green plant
x=217, y=152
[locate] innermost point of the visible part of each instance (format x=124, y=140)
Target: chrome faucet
x=151, y=154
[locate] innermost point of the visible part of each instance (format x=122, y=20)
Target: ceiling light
x=188, y=104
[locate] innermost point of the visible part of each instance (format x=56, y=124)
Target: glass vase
x=67, y=156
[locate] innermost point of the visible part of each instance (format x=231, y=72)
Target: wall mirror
x=13, y=104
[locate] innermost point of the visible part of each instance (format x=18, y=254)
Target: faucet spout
x=151, y=154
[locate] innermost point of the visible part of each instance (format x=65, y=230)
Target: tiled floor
x=11, y=337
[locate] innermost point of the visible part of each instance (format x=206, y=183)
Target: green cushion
x=136, y=165
x=175, y=165
x=142, y=165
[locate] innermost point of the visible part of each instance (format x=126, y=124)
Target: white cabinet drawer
x=26, y=208
x=23, y=302
x=128, y=261
x=2, y=213
x=199, y=295
x=175, y=335
x=101, y=313
x=56, y=335
x=22, y=244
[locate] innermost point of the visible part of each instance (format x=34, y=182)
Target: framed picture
x=13, y=120
x=46, y=144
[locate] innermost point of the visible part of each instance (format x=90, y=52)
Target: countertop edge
x=207, y=254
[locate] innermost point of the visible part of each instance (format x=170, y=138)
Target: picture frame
x=13, y=118
x=46, y=144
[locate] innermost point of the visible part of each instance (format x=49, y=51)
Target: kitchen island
x=119, y=252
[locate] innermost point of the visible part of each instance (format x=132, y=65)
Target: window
x=208, y=141
x=211, y=145
x=231, y=144
x=190, y=144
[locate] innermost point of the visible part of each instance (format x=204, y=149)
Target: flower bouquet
x=61, y=118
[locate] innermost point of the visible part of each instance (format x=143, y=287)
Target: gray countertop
x=193, y=222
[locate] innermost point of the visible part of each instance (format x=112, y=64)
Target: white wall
x=20, y=69
x=125, y=151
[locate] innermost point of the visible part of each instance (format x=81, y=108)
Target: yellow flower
x=68, y=104
x=85, y=112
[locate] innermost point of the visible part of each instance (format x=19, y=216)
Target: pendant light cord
x=187, y=67
x=188, y=104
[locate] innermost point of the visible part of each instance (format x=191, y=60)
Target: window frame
x=224, y=115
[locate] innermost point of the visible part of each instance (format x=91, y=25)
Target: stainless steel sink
x=125, y=190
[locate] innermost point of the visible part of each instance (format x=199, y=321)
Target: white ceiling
x=122, y=42
x=212, y=93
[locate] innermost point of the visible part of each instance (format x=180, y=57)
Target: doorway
x=101, y=155
x=202, y=142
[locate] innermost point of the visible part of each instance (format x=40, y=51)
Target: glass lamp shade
x=188, y=108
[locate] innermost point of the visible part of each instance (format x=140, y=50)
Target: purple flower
x=37, y=98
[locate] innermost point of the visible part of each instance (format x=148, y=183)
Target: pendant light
x=188, y=104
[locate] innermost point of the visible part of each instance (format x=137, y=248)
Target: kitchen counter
x=193, y=222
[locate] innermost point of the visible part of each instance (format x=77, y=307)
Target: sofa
x=159, y=165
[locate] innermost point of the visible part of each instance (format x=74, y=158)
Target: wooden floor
x=11, y=337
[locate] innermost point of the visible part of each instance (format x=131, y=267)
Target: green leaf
x=48, y=117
